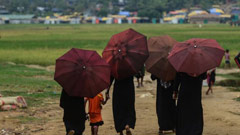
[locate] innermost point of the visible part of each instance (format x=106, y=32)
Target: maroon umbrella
x=126, y=53
x=82, y=73
x=157, y=62
x=196, y=56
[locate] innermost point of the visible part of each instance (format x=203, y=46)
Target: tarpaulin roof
x=12, y=16
x=197, y=12
x=178, y=11
x=125, y=13
x=216, y=11
x=205, y=16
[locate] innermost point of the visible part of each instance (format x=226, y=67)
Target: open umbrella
x=82, y=73
x=126, y=53
x=157, y=62
x=196, y=56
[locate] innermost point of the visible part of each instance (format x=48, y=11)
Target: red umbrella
x=82, y=73
x=157, y=62
x=196, y=56
x=126, y=53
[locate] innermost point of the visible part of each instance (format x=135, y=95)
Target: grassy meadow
x=42, y=44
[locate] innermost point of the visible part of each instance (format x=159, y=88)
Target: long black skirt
x=166, y=108
x=189, y=106
x=124, y=104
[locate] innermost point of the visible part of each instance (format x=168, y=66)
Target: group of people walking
x=184, y=118
x=178, y=68
x=123, y=101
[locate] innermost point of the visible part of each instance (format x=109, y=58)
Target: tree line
x=146, y=8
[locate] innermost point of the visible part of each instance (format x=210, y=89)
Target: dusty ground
x=221, y=115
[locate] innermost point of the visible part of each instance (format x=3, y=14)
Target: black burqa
x=124, y=103
x=74, y=115
x=165, y=104
x=189, y=106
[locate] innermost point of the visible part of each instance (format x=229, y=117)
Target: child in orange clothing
x=95, y=106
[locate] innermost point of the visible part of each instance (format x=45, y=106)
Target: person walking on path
x=123, y=104
x=74, y=115
x=227, y=59
x=211, y=80
x=237, y=59
x=189, y=105
x=140, y=76
x=165, y=105
x=95, y=107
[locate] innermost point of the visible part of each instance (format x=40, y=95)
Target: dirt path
x=221, y=115
x=221, y=112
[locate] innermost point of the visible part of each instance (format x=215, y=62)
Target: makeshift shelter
x=216, y=11
x=174, y=19
x=124, y=13
x=225, y=18
x=17, y=19
x=207, y=18
x=197, y=12
x=109, y=20
x=178, y=12
x=75, y=21
x=235, y=11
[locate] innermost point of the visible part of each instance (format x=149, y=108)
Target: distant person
x=95, y=107
x=189, y=105
x=210, y=80
x=227, y=59
x=74, y=115
x=237, y=59
x=123, y=102
x=140, y=76
x=165, y=105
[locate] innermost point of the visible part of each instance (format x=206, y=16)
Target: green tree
x=103, y=12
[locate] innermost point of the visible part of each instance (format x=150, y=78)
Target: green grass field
x=31, y=83
x=37, y=44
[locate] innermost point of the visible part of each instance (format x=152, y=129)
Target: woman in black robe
x=74, y=115
x=165, y=105
x=189, y=106
x=123, y=103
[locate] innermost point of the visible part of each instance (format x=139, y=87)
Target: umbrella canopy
x=157, y=62
x=126, y=53
x=196, y=56
x=82, y=73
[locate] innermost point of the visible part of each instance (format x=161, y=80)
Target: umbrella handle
x=107, y=95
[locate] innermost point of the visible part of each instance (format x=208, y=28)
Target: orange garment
x=95, y=108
